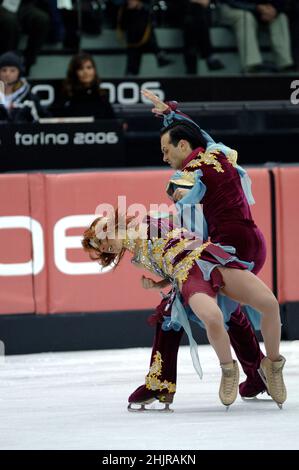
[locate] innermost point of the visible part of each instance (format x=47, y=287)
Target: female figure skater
x=198, y=272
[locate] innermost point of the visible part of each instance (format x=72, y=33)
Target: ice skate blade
x=250, y=398
x=256, y=399
x=143, y=409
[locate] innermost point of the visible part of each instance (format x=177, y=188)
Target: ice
x=78, y=400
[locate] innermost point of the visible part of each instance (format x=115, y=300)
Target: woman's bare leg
x=206, y=309
x=246, y=288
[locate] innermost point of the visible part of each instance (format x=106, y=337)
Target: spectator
x=293, y=11
x=196, y=28
x=18, y=103
x=245, y=17
x=134, y=20
x=28, y=16
x=83, y=95
x=76, y=17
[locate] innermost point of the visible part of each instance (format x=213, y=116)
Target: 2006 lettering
x=89, y=138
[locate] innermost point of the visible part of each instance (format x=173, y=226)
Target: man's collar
x=192, y=156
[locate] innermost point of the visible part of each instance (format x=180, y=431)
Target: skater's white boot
x=229, y=385
x=271, y=373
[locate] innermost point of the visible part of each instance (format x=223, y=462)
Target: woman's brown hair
x=72, y=83
x=90, y=242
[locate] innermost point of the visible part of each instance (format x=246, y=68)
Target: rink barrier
x=31, y=333
x=287, y=197
x=48, y=212
x=287, y=234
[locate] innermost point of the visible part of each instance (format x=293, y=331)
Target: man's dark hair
x=179, y=130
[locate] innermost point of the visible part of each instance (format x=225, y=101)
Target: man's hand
x=179, y=194
x=134, y=5
x=204, y=3
x=148, y=283
x=267, y=12
x=159, y=105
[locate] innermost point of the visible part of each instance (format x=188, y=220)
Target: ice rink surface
x=78, y=400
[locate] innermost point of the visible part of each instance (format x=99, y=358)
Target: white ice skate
x=271, y=374
x=228, y=390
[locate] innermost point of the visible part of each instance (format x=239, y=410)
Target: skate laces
x=276, y=378
x=229, y=375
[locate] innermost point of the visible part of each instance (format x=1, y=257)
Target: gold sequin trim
x=130, y=244
x=209, y=158
x=152, y=381
x=181, y=270
x=177, y=232
x=142, y=254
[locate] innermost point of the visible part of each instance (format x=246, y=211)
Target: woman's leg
x=207, y=310
x=246, y=288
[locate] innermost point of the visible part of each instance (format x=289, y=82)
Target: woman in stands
x=197, y=272
x=82, y=93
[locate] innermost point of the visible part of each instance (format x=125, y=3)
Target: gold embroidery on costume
x=152, y=381
x=182, y=268
x=177, y=232
x=142, y=255
x=151, y=253
x=209, y=158
x=130, y=243
x=157, y=250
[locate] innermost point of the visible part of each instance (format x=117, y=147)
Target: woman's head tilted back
x=103, y=240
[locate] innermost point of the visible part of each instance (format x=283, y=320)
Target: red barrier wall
x=118, y=290
x=287, y=197
x=60, y=206
x=261, y=212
